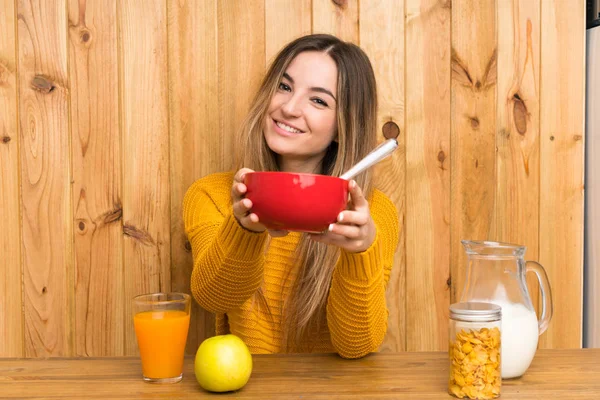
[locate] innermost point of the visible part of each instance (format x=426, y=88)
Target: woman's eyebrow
x=288, y=77
x=314, y=89
x=323, y=90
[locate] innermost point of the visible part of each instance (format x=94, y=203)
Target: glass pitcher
x=496, y=274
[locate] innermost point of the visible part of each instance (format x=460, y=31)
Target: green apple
x=223, y=363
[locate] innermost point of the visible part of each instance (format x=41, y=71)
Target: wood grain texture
x=110, y=110
x=562, y=116
x=45, y=190
x=285, y=20
x=337, y=17
x=516, y=217
x=554, y=374
x=473, y=129
x=11, y=301
x=196, y=143
x=145, y=127
x=384, y=20
x=241, y=69
x=96, y=159
x=428, y=174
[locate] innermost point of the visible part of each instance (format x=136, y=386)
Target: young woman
x=315, y=112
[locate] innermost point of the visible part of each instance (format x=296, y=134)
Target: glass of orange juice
x=161, y=322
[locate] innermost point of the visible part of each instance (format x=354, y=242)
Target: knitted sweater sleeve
x=228, y=260
x=356, y=309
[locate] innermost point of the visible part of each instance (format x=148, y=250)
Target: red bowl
x=294, y=201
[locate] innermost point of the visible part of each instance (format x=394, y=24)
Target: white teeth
x=287, y=128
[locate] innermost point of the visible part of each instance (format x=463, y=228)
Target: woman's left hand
x=354, y=230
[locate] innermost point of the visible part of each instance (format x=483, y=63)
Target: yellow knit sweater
x=230, y=264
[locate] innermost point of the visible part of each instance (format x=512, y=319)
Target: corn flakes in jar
x=474, y=350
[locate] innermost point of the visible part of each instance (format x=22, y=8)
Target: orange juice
x=161, y=337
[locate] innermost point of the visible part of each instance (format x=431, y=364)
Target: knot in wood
x=390, y=130
x=520, y=115
x=42, y=84
x=85, y=36
x=441, y=156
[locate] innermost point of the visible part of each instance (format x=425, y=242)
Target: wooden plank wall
x=387, y=55
x=561, y=162
x=97, y=189
x=45, y=176
x=109, y=110
x=516, y=217
x=427, y=192
x=11, y=296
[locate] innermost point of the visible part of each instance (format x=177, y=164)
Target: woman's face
x=301, y=119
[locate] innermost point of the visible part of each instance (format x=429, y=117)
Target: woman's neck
x=300, y=166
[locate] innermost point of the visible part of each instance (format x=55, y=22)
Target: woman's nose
x=292, y=107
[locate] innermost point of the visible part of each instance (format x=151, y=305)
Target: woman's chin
x=280, y=146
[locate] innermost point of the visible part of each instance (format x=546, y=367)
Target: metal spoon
x=379, y=153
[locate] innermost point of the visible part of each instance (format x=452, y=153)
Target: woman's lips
x=284, y=132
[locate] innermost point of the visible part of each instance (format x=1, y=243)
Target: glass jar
x=474, y=350
x=496, y=274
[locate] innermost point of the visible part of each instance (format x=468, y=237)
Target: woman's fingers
x=250, y=222
x=349, y=217
x=241, y=208
x=356, y=195
x=277, y=233
x=354, y=230
x=238, y=190
x=347, y=231
x=349, y=244
x=240, y=174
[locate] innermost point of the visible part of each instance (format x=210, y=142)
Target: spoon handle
x=379, y=153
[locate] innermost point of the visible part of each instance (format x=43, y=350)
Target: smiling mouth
x=287, y=128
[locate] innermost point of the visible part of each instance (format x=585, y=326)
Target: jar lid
x=475, y=312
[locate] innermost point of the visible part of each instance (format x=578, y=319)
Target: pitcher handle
x=547, y=308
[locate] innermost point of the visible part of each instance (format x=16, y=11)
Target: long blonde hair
x=356, y=112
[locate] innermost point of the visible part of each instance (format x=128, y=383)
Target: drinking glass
x=161, y=322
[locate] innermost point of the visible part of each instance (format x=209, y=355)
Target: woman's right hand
x=242, y=207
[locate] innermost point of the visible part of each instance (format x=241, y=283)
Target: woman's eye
x=285, y=87
x=320, y=102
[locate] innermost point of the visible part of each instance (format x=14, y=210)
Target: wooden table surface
x=554, y=374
